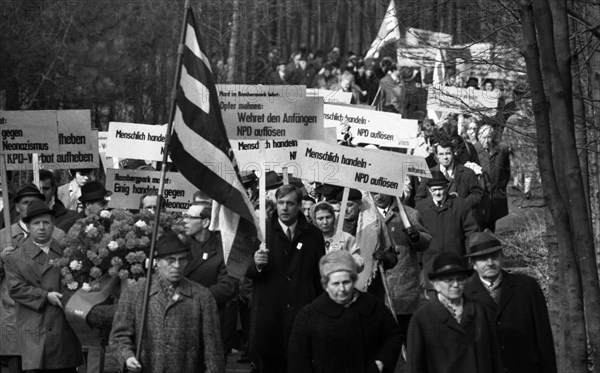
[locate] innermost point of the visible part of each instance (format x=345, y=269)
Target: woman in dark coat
x=451, y=334
x=343, y=330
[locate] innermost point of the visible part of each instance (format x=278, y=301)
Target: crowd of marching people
x=381, y=284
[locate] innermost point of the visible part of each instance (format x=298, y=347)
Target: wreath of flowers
x=114, y=242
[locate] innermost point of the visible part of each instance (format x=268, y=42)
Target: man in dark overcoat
x=285, y=278
x=182, y=332
x=206, y=266
x=495, y=163
x=516, y=304
x=46, y=340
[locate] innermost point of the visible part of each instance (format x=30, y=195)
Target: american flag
x=201, y=151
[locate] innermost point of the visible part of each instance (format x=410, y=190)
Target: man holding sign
x=285, y=278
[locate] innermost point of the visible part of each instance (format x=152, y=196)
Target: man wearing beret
x=46, y=341
x=9, y=241
x=182, y=332
x=515, y=303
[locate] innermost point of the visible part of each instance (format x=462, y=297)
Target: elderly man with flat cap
x=10, y=238
x=515, y=303
x=182, y=332
x=46, y=341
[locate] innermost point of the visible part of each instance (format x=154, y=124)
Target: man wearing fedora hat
x=46, y=341
x=448, y=219
x=19, y=232
x=515, y=303
x=94, y=198
x=451, y=334
x=182, y=326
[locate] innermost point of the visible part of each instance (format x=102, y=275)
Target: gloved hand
x=386, y=258
x=413, y=234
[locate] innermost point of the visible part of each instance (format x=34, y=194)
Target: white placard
x=370, y=126
x=365, y=169
x=330, y=96
x=136, y=141
x=458, y=100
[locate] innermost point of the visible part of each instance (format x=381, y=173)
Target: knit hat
x=483, y=243
x=336, y=261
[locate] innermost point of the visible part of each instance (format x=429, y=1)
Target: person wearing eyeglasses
x=207, y=267
x=450, y=333
x=182, y=327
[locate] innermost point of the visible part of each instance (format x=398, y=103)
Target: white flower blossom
x=113, y=245
x=140, y=224
x=86, y=287
x=105, y=214
x=72, y=285
x=75, y=265
x=89, y=228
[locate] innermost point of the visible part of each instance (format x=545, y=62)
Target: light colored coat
x=181, y=335
x=46, y=338
x=8, y=323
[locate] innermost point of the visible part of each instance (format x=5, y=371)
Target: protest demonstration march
x=292, y=187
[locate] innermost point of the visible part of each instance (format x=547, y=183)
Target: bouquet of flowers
x=114, y=242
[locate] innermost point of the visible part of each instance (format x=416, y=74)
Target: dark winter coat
x=522, y=323
x=329, y=337
x=437, y=343
x=287, y=283
x=403, y=278
x=464, y=184
x=207, y=268
x=181, y=335
x=496, y=167
x=449, y=226
x=46, y=340
x=65, y=218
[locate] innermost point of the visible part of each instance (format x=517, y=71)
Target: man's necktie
x=289, y=233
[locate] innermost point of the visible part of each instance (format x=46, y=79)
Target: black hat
x=169, y=244
x=36, y=208
x=354, y=195
x=446, y=264
x=29, y=190
x=93, y=191
x=295, y=181
x=272, y=180
x=248, y=178
x=437, y=179
x=483, y=243
x=329, y=191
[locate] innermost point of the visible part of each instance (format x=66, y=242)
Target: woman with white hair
x=343, y=330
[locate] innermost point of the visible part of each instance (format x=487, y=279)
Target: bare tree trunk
x=568, y=210
x=342, y=26
x=233, y=42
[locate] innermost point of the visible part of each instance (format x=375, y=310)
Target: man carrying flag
x=198, y=145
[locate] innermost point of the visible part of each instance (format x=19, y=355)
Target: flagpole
x=161, y=186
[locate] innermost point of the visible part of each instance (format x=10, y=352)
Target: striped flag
x=201, y=151
x=389, y=31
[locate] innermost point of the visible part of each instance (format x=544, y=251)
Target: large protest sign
x=329, y=96
x=136, y=141
x=272, y=118
x=366, y=169
x=457, y=100
x=128, y=186
x=370, y=126
x=27, y=132
x=70, y=140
